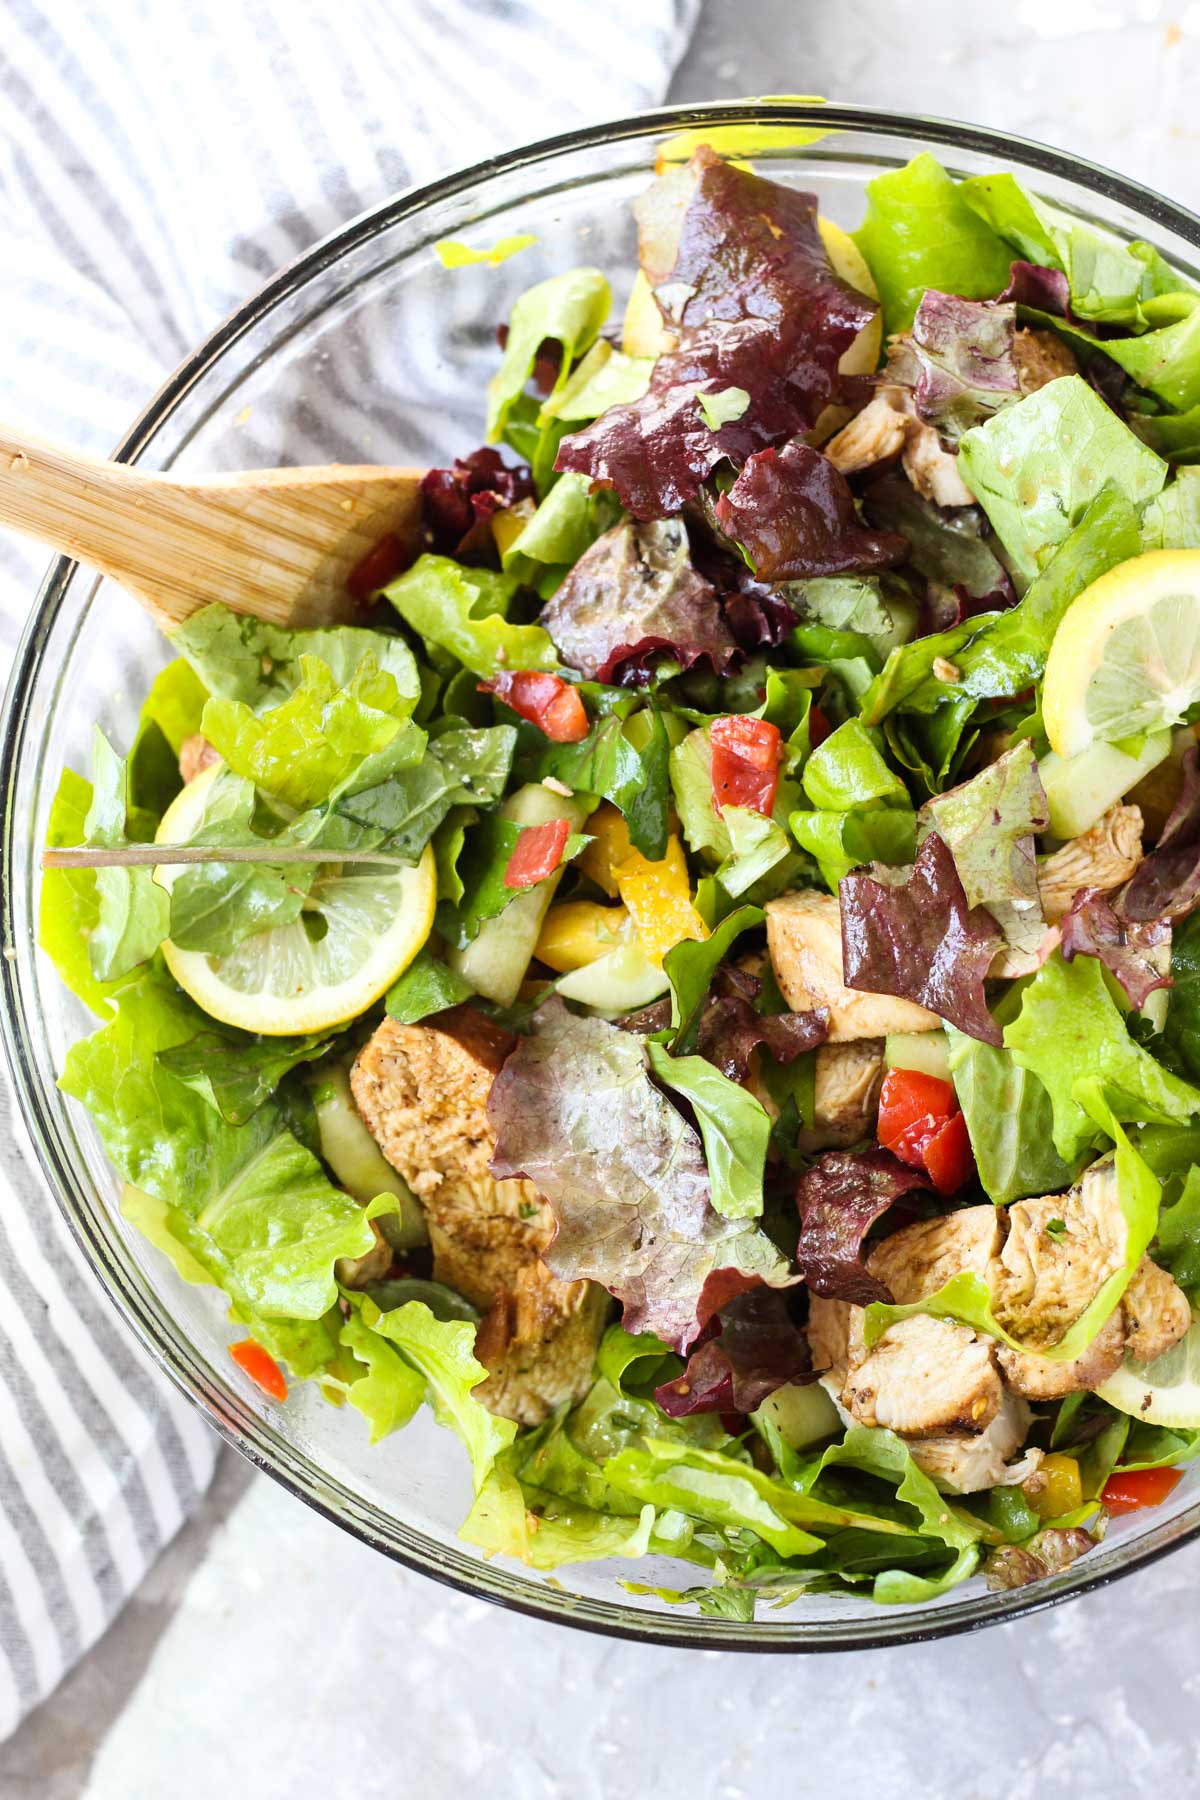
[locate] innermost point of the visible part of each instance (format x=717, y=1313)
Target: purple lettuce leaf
x=731, y=1030
x=793, y=514
x=757, y=307
x=1126, y=947
x=839, y=1199
x=958, y=360
x=754, y=1349
x=635, y=593
x=1166, y=883
x=1044, y=290
x=912, y=934
x=575, y=1112
x=457, y=503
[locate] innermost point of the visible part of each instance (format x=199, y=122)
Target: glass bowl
x=369, y=350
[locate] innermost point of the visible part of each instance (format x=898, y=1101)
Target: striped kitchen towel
x=157, y=164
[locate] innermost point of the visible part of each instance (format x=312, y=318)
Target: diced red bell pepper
x=536, y=854
x=262, y=1369
x=382, y=563
x=819, y=727
x=1128, y=1491
x=920, y=1122
x=745, y=762
x=949, y=1159
x=545, y=700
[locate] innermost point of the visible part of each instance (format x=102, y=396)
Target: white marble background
x=271, y=1656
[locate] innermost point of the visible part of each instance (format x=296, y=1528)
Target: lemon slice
x=1164, y=1392
x=362, y=925
x=1126, y=658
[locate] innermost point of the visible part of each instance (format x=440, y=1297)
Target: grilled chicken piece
x=847, y=1080
x=926, y=1378
x=1156, y=1312
x=1041, y=357
x=887, y=426
x=1103, y=857
x=539, y=1338
x=967, y=1465
x=195, y=754
x=926, y=1385
x=422, y=1092
x=804, y=938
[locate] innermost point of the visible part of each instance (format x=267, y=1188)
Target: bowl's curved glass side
x=368, y=349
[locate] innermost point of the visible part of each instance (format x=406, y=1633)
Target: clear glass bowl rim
x=254, y=1439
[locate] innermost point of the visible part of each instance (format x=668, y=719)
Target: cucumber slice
x=801, y=1415
x=1080, y=789
x=495, y=960
x=619, y=982
x=926, y=1051
x=360, y=1164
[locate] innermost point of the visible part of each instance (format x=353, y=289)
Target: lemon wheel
x=361, y=926
x=1125, y=659
x=1164, y=1392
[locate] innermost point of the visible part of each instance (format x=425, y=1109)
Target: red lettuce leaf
x=793, y=514
x=731, y=1030
x=755, y=1350
x=575, y=1112
x=1166, y=883
x=957, y=360
x=913, y=935
x=1045, y=290
x=839, y=1198
x=1126, y=947
x=458, y=503
x=758, y=308
x=632, y=595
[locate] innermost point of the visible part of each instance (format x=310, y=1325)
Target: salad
x=700, y=985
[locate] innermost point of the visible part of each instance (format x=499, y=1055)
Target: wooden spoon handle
x=278, y=543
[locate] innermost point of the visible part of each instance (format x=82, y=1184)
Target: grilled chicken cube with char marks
x=930, y=1384
x=1104, y=856
x=422, y=1092
x=804, y=938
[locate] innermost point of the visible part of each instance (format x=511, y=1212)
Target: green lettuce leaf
x=319, y=738
x=133, y=912
x=609, y=765
x=1111, y=281
x=248, y=1202
x=1178, y=1246
x=69, y=910
x=175, y=703
x=1171, y=521
x=568, y=522
x=863, y=812
x=569, y=309
x=237, y=1073
x=989, y=824
x=443, y=1352
x=426, y=986
x=605, y=377
x=1173, y=435
x=215, y=906
x=464, y=612
x=503, y=1522
x=841, y=841
x=1182, y=1027
x=690, y=967
x=920, y=233
x=1070, y=1032
x=873, y=1451
x=1009, y=1116
x=856, y=603
x=1036, y=467
x=241, y=658
x=734, y=1127
x=391, y=1391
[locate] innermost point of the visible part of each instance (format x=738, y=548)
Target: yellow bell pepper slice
x=610, y=846
x=658, y=897
x=1063, y=1488
x=578, y=932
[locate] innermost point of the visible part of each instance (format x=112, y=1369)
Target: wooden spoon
x=277, y=543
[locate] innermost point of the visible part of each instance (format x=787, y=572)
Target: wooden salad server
x=277, y=543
